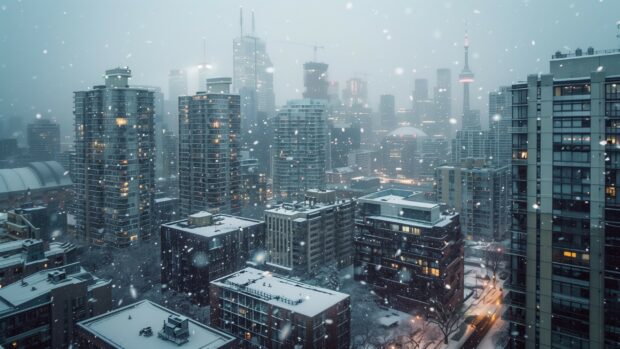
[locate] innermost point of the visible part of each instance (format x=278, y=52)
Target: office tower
x=479, y=194
x=424, y=108
x=500, y=140
x=301, y=139
x=443, y=98
x=204, y=247
x=43, y=140
x=8, y=148
x=333, y=94
x=209, y=145
x=41, y=182
x=387, y=112
x=471, y=120
x=168, y=182
x=301, y=310
x=161, y=126
x=13, y=127
x=146, y=324
x=41, y=310
x=166, y=210
x=355, y=93
x=115, y=174
x=316, y=81
x=400, y=152
x=564, y=288
x=471, y=144
x=408, y=251
x=177, y=85
x=302, y=238
x=253, y=182
x=345, y=137
x=22, y=258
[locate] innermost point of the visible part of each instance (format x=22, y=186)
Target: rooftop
x=284, y=293
x=222, y=223
x=35, y=176
x=121, y=328
x=399, y=197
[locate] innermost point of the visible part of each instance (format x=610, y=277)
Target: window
x=434, y=272
x=570, y=254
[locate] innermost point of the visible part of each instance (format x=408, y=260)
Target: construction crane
x=315, y=47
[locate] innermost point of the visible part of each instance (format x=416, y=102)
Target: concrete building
x=401, y=152
x=564, y=287
x=387, y=111
x=253, y=182
x=302, y=238
x=203, y=247
x=355, y=93
x=268, y=311
x=36, y=222
x=500, y=139
x=166, y=210
x=408, y=251
x=209, y=145
x=300, y=156
x=41, y=310
x=40, y=182
x=480, y=195
x=114, y=168
x=316, y=81
x=134, y=326
x=471, y=144
x=443, y=100
x=21, y=258
x=345, y=137
x=43, y=140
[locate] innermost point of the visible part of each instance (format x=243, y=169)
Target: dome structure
x=408, y=131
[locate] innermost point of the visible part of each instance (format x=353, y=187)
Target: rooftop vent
x=146, y=332
x=200, y=219
x=578, y=52
x=175, y=329
x=56, y=276
x=590, y=50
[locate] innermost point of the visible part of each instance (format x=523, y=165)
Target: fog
x=48, y=49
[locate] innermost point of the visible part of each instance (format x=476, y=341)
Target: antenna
x=241, y=20
x=253, y=28
x=204, y=50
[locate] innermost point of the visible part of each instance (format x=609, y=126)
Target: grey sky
x=50, y=48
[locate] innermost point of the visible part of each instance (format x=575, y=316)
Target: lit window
x=121, y=121
x=611, y=191
x=570, y=254
x=523, y=155
x=134, y=238
x=435, y=272
x=585, y=257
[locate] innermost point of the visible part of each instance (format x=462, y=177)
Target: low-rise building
x=408, y=251
x=41, y=310
x=36, y=222
x=139, y=325
x=21, y=258
x=268, y=311
x=203, y=247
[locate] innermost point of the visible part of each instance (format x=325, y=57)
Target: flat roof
x=121, y=328
x=281, y=292
x=392, y=198
x=222, y=223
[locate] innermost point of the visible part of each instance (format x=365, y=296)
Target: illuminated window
x=248, y=336
x=570, y=254
x=611, y=191
x=435, y=272
x=121, y=121
x=585, y=257
x=406, y=229
x=394, y=266
x=523, y=155
x=424, y=270
x=134, y=238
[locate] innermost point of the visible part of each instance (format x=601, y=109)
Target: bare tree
x=445, y=316
x=494, y=256
x=416, y=338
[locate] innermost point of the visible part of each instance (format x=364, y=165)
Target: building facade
x=265, y=310
x=564, y=287
x=43, y=140
x=300, y=156
x=209, y=145
x=408, y=251
x=114, y=168
x=197, y=250
x=305, y=237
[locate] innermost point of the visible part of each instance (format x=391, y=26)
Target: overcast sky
x=48, y=49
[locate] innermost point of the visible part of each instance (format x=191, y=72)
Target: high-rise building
x=443, y=98
x=305, y=237
x=344, y=138
x=177, y=85
x=471, y=119
x=148, y=325
x=209, y=145
x=41, y=310
x=43, y=140
x=300, y=148
x=424, y=108
x=471, y=143
x=480, y=195
x=400, y=152
x=387, y=112
x=204, y=247
x=355, y=93
x=564, y=287
x=408, y=251
x=500, y=140
x=287, y=313
x=316, y=81
x=114, y=170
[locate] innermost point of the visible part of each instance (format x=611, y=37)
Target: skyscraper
x=316, y=81
x=300, y=148
x=209, y=145
x=43, y=140
x=114, y=175
x=471, y=118
x=424, y=108
x=443, y=95
x=387, y=111
x=500, y=140
x=355, y=93
x=564, y=287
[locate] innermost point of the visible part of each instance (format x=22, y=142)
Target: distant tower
x=316, y=80
x=467, y=77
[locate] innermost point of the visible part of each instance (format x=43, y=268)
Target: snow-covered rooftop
x=222, y=224
x=35, y=176
x=283, y=293
x=120, y=328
